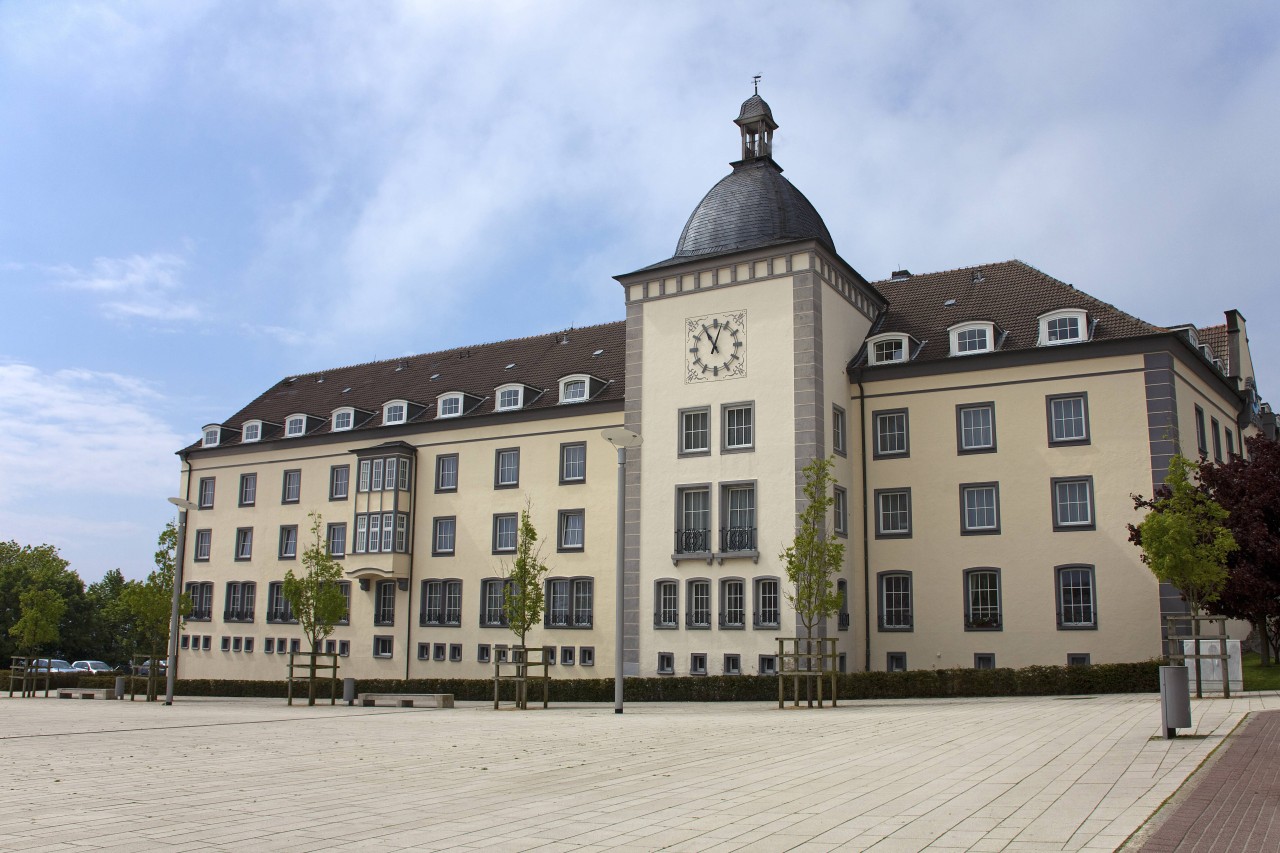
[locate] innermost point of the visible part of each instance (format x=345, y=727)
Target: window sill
x=765, y=626
x=970, y=451
x=1062, y=627
x=984, y=628
x=1071, y=528
x=992, y=532
x=721, y=556
x=700, y=556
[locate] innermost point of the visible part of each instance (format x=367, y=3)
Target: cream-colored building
x=988, y=425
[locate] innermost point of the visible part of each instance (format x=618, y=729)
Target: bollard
x=119, y=686
x=349, y=691
x=1175, y=700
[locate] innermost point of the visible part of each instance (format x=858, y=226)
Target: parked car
x=53, y=665
x=93, y=667
x=145, y=667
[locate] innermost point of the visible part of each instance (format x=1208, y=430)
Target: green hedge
x=914, y=684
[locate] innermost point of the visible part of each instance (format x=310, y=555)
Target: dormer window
x=395, y=412
x=509, y=397
x=343, y=419
x=449, y=405
x=573, y=389
x=972, y=338
x=888, y=348
x=1063, y=327
x=252, y=431
x=212, y=436
x=295, y=425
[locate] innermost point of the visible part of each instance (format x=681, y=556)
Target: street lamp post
x=171, y=668
x=621, y=438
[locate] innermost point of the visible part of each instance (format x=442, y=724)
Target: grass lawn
x=1257, y=677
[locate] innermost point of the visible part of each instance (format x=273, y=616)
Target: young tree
x=1249, y=490
x=42, y=610
x=522, y=590
x=813, y=557
x=147, y=605
x=25, y=567
x=315, y=596
x=1184, y=538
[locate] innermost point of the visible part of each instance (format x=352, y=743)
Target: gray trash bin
x=119, y=686
x=1175, y=700
x=349, y=691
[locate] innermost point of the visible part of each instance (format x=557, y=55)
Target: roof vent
x=509, y=366
x=564, y=338
x=320, y=380
x=977, y=277
x=466, y=353
x=435, y=376
x=948, y=303
x=899, y=275
x=346, y=390
x=597, y=353
x=289, y=380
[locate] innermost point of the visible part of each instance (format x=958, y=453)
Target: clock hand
x=715, y=344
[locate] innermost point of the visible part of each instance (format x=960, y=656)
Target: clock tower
x=736, y=349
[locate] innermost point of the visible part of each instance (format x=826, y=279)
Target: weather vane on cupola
x=755, y=81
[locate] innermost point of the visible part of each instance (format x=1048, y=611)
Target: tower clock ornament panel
x=715, y=346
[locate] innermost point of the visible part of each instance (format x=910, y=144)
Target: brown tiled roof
x=1215, y=337
x=1010, y=294
x=539, y=362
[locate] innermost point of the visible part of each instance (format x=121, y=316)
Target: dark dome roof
x=751, y=206
x=754, y=106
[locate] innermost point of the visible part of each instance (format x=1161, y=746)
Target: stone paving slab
x=237, y=774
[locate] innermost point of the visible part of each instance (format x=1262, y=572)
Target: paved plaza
x=1071, y=773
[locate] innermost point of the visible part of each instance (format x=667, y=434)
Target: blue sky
x=197, y=199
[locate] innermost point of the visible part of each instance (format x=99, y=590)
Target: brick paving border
x=1234, y=806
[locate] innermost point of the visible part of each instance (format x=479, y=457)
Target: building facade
x=988, y=426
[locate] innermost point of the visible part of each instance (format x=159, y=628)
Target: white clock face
x=715, y=346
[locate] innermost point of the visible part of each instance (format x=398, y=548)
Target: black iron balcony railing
x=844, y=621
x=737, y=539
x=982, y=623
x=698, y=619
x=693, y=541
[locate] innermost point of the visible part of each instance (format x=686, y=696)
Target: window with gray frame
x=698, y=604
x=1077, y=659
x=447, y=472
x=1068, y=419
x=666, y=663
x=976, y=428
x=768, y=665
x=201, y=594
x=556, y=613
x=345, y=588
x=288, y=541
x=205, y=493
x=1216, y=431
x=732, y=603
x=732, y=664
x=566, y=655
x=248, y=489
x=572, y=529
x=584, y=595
x=382, y=646
x=698, y=663
x=244, y=543
x=1072, y=503
x=384, y=610
x=666, y=604
x=292, y=491
x=896, y=662
x=839, y=431
x=339, y=481
x=739, y=426
x=739, y=532
x=278, y=609
x=573, y=463
x=493, y=606
x=505, y=532
x=768, y=603
x=1076, y=600
x=695, y=431
x=979, y=508
x=1202, y=444
x=984, y=660
x=441, y=602
x=895, y=601
x=842, y=590
x=982, y=600
x=893, y=513
x=840, y=510
x=586, y=656
x=484, y=653
x=506, y=473
x=694, y=533
x=444, y=534
x=891, y=438
x=336, y=537
x=204, y=542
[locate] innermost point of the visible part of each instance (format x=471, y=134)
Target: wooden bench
x=407, y=700
x=86, y=693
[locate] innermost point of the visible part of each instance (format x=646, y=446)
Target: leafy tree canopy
x=813, y=557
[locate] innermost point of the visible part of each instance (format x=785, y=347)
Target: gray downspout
x=413, y=533
x=866, y=529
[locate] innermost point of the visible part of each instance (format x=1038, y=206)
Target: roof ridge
x=892, y=280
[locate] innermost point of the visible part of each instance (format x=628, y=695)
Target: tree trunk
x=311, y=676
x=1264, y=647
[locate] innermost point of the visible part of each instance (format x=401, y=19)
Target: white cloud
x=147, y=287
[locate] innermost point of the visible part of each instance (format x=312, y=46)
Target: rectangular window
x=1075, y=597
x=739, y=426
x=666, y=663
x=839, y=431
x=566, y=655
x=698, y=602
x=292, y=487
x=389, y=483
x=201, y=595
x=1062, y=329
x=768, y=607
x=204, y=540
x=278, y=609
x=1077, y=660
x=205, y=492
x=982, y=600
x=979, y=508
x=893, y=513
x=976, y=428
x=572, y=526
x=557, y=606
x=891, y=436
x=484, y=653
x=1073, y=503
x=768, y=665
x=1201, y=441
x=455, y=652
x=384, y=612
x=493, y=611
x=438, y=652
x=583, y=602
x=382, y=647
x=288, y=541
x=345, y=588
x=732, y=664
x=896, y=662
x=387, y=530
x=895, y=601
x=376, y=483
x=447, y=472
x=586, y=656
x=506, y=474
x=739, y=533
x=698, y=663
x=1217, y=439
x=336, y=539
x=573, y=463
x=402, y=532
x=424, y=651
x=887, y=351
x=239, y=602
x=363, y=485
x=342, y=420
x=248, y=489
x=268, y=645
x=666, y=610
x=339, y=479
x=344, y=648
x=1068, y=419
x=972, y=340
x=505, y=527
x=403, y=477
x=840, y=510
x=375, y=533
x=362, y=534
x=441, y=602
x=694, y=533
x=226, y=644
x=732, y=604
x=695, y=431
x=244, y=543
x=444, y=534
x=983, y=660
x=1231, y=443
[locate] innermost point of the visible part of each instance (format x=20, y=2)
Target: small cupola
x=755, y=120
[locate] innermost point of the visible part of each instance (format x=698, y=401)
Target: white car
x=92, y=666
x=54, y=666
